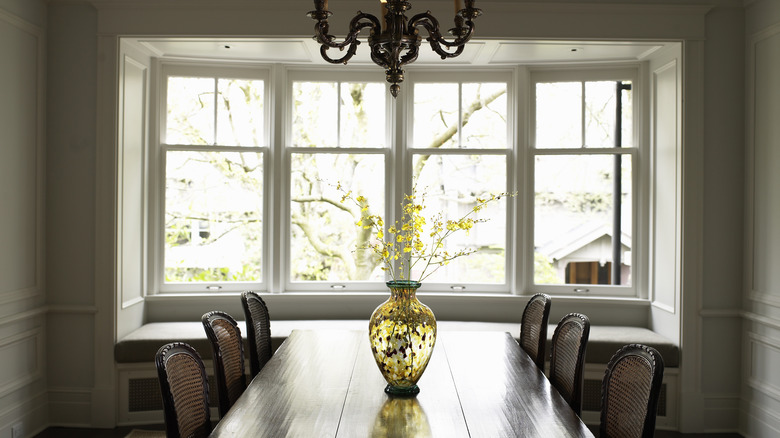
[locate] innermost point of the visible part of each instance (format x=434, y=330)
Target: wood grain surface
x=326, y=384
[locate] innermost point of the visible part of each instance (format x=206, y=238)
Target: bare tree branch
x=324, y=248
x=448, y=133
x=332, y=201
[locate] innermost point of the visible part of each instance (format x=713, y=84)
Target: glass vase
x=402, y=333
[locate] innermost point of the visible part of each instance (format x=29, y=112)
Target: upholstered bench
x=142, y=344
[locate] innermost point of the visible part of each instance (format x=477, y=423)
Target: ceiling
x=477, y=52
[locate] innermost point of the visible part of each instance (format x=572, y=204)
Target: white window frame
x=407, y=151
x=398, y=157
x=295, y=74
x=639, y=208
x=162, y=70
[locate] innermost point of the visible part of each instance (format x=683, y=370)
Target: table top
x=326, y=384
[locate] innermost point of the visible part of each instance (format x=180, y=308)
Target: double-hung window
x=212, y=155
x=584, y=157
x=338, y=141
x=346, y=136
x=459, y=150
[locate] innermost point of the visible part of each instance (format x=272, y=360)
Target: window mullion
x=583, y=115
x=216, y=111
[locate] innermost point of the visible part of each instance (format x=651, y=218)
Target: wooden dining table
x=326, y=384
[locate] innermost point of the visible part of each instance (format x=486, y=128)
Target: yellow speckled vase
x=402, y=332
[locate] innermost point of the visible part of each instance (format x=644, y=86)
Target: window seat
x=142, y=344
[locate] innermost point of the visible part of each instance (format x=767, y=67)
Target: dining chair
x=533, y=327
x=567, y=358
x=228, y=348
x=258, y=327
x=629, y=392
x=185, y=391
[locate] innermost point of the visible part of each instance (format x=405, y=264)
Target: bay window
x=252, y=163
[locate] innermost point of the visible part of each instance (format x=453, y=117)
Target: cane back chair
x=258, y=327
x=629, y=392
x=185, y=391
x=228, y=348
x=567, y=359
x=533, y=327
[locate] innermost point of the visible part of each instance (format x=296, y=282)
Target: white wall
x=760, y=413
x=71, y=222
x=81, y=192
x=722, y=227
x=22, y=290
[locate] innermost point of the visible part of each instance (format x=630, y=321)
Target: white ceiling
x=477, y=52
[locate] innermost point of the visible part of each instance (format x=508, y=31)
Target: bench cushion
x=142, y=344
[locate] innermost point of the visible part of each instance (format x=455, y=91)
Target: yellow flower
x=407, y=249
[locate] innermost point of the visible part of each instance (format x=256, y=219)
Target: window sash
x=158, y=167
x=570, y=74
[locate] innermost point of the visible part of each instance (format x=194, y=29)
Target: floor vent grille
x=144, y=394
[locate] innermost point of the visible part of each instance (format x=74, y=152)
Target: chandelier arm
x=380, y=58
x=410, y=56
x=431, y=25
x=321, y=29
x=344, y=59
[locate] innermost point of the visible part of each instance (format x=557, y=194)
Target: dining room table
x=325, y=383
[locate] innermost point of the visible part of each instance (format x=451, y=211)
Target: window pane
x=452, y=184
x=559, y=115
x=600, y=107
x=573, y=219
x=190, y=104
x=484, y=115
x=435, y=115
x=363, y=115
x=315, y=114
x=628, y=118
x=325, y=240
x=482, y=112
x=600, y=110
x=240, y=118
x=213, y=216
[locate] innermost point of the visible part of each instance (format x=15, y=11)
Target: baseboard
x=757, y=422
x=70, y=407
x=31, y=413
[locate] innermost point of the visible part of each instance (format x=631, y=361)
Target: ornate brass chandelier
x=396, y=42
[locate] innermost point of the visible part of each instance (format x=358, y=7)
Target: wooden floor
x=68, y=432
x=121, y=432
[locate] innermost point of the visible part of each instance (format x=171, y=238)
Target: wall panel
x=761, y=333
x=22, y=315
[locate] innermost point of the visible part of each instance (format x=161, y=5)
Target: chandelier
x=396, y=41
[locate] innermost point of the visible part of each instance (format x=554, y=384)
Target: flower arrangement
x=406, y=242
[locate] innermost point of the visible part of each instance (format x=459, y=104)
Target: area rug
x=138, y=433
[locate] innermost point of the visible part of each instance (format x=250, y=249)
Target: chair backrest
x=533, y=327
x=185, y=391
x=629, y=392
x=225, y=336
x=568, y=358
x=258, y=327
